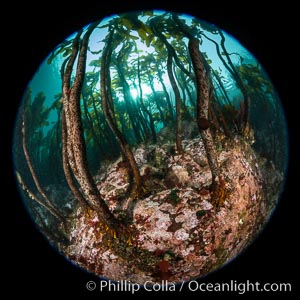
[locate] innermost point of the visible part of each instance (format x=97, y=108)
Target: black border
x=34, y=29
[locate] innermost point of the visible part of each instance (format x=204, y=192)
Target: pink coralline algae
x=178, y=218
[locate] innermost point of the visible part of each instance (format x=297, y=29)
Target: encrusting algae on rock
x=182, y=220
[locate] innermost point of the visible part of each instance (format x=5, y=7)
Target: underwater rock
x=202, y=162
x=177, y=176
x=189, y=129
x=182, y=220
x=181, y=235
x=166, y=134
x=140, y=156
x=61, y=197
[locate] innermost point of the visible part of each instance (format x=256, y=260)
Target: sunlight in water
x=146, y=90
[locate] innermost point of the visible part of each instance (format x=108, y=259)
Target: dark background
x=33, y=30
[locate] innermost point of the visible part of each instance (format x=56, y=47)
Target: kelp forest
x=150, y=146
